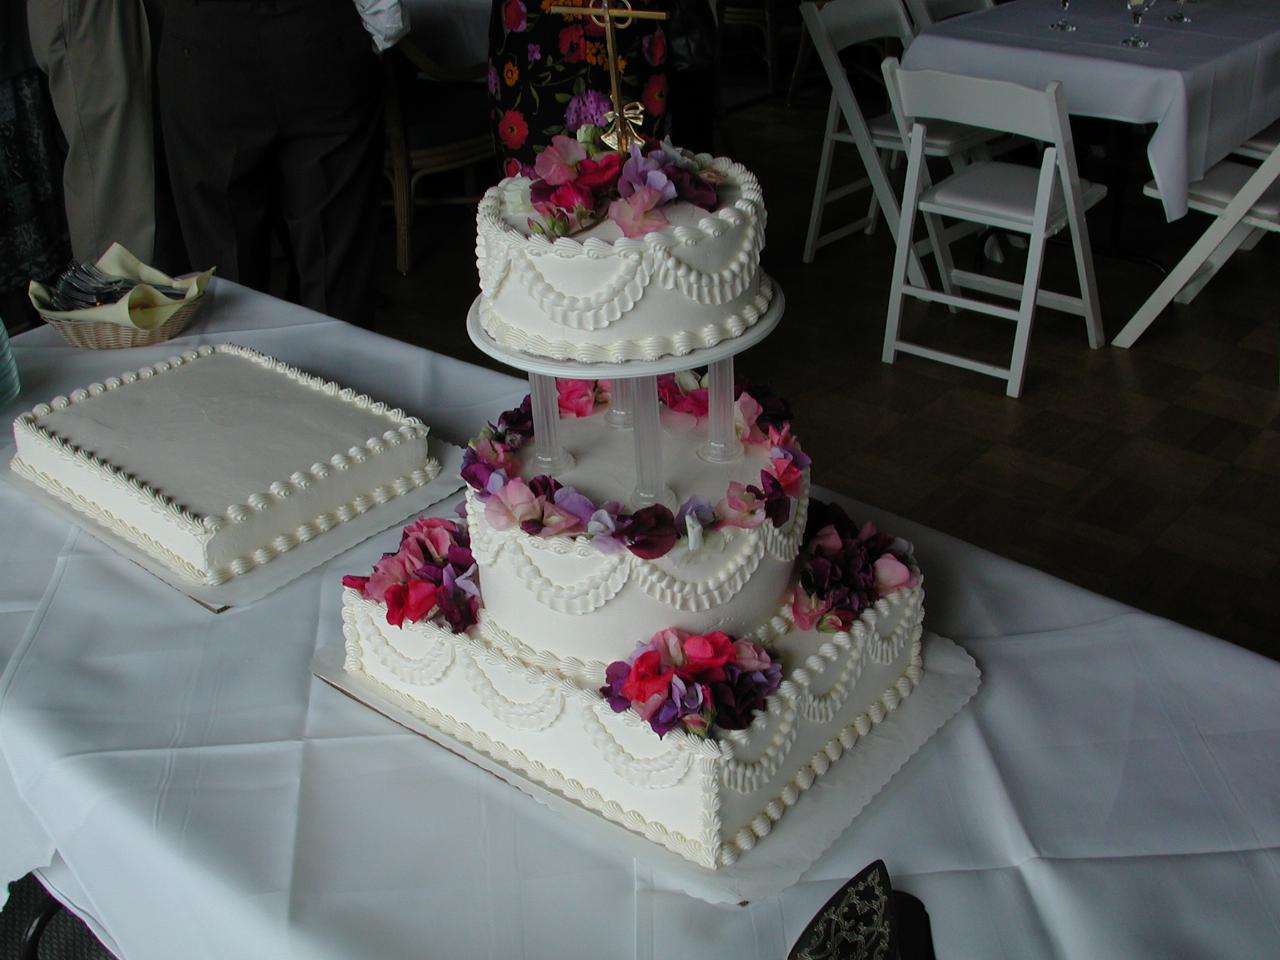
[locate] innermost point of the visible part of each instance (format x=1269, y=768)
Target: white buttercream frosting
x=603, y=297
x=220, y=459
x=707, y=800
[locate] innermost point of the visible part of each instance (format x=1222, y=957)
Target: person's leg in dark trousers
x=220, y=125
x=330, y=157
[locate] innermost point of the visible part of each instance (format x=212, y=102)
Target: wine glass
x=1179, y=15
x=1136, y=9
x=1062, y=24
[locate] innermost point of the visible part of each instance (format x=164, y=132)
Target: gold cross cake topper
x=624, y=119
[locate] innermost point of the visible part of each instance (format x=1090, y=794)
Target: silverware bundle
x=83, y=285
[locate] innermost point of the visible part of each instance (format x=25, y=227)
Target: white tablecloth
x=1112, y=791
x=1209, y=85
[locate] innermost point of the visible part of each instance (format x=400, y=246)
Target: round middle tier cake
x=589, y=598
x=602, y=295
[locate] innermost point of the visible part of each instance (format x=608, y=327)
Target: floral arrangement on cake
x=431, y=576
x=693, y=681
x=844, y=569
x=544, y=507
x=580, y=182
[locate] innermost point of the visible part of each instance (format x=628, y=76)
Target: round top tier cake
x=604, y=259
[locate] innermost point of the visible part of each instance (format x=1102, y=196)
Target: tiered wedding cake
x=643, y=610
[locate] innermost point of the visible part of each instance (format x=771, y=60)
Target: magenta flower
x=558, y=162
x=535, y=52
x=578, y=398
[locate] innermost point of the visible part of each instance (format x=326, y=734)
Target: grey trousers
x=97, y=56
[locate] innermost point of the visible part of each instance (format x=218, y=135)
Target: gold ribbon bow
x=624, y=130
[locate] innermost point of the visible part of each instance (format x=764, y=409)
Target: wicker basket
x=101, y=335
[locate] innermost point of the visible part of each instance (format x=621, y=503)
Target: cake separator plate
x=795, y=843
x=269, y=577
x=703, y=356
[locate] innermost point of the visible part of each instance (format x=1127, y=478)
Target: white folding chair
x=1244, y=201
x=1261, y=146
x=834, y=27
x=1007, y=196
x=926, y=12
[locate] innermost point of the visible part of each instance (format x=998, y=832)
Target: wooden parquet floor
x=1151, y=475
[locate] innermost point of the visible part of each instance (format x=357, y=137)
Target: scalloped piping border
x=407, y=428
x=593, y=591
x=712, y=849
x=643, y=348
x=702, y=851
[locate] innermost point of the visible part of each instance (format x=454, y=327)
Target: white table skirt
x=1208, y=85
x=1111, y=791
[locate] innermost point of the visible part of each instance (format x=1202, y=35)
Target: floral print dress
x=549, y=74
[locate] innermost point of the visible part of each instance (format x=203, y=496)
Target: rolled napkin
x=142, y=306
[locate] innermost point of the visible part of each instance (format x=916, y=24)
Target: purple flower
x=777, y=505
x=700, y=509
x=691, y=188
x=545, y=486
x=615, y=676
x=651, y=171
x=651, y=532
x=588, y=107
x=574, y=503
x=742, y=694
x=684, y=700
x=602, y=527
x=493, y=80
x=535, y=53
x=517, y=422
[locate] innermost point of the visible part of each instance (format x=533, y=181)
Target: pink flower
x=808, y=609
x=750, y=656
x=705, y=656
x=789, y=476
x=649, y=678
x=578, y=398
x=670, y=646
x=892, y=574
x=600, y=173
x=681, y=399
x=746, y=413
x=638, y=214
x=512, y=506
x=574, y=197
x=741, y=507
x=392, y=570
x=436, y=533
x=558, y=162
x=497, y=455
x=557, y=521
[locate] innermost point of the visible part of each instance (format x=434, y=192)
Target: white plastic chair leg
x=823, y=181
